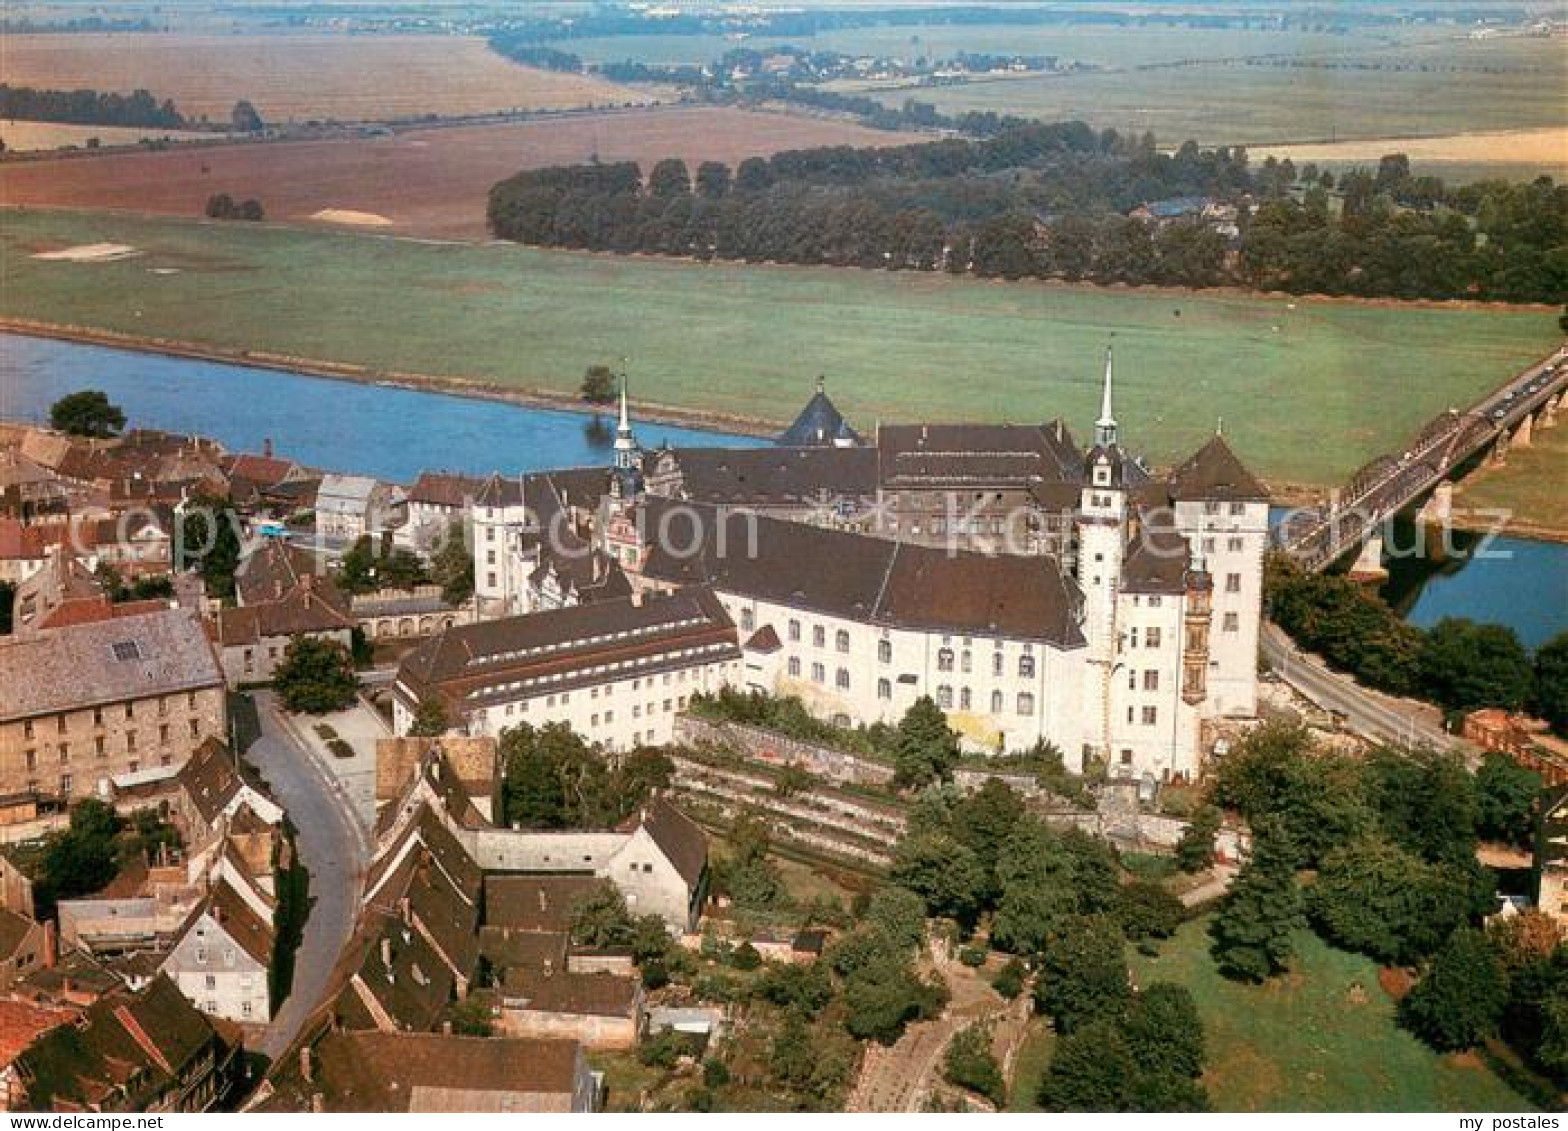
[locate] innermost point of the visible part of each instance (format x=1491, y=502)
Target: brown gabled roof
x=537, y=903
x=1215, y=472
x=14, y=929
x=504, y=948
x=210, y=779
x=597, y=994
x=681, y=840
x=139, y=1043
x=765, y=639
x=569, y=643
x=1156, y=562
x=243, y=925
x=312, y=605
x=873, y=580
x=445, y=489
x=264, y=471
x=431, y=1072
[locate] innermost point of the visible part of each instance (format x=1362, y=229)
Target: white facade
x=1232, y=538
x=1000, y=694
x=217, y=973
x=620, y=712
x=500, y=519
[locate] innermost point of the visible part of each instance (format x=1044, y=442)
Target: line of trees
x=89, y=107
x=1050, y=201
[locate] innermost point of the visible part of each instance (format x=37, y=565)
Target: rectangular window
x=1232, y=622
x=1234, y=545
x=1151, y=680
x=1152, y=638
x=1150, y=715
x=1233, y=583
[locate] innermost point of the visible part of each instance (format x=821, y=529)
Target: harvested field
x=302, y=77
x=1520, y=153
x=27, y=137
x=428, y=182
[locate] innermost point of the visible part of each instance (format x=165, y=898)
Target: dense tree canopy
x=87, y=413
x=1462, y=997
x=1060, y=211
x=316, y=676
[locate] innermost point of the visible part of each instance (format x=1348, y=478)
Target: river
x=396, y=433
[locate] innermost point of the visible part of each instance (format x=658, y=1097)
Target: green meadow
x=1308, y=390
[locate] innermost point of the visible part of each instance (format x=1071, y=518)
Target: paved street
x=1366, y=712
x=333, y=848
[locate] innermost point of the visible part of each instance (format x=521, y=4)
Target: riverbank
x=1529, y=486
x=652, y=412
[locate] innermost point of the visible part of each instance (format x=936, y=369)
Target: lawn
x=1308, y=390
x=1529, y=485
x=1322, y=1038
x=1030, y=1064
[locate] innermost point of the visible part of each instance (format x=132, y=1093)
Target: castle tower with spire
x=626, y=476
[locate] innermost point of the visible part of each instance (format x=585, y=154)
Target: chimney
x=403, y=908
x=266, y=447
x=307, y=1067
x=51, y=944
x=386, y=952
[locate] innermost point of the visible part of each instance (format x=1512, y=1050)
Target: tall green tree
x=1195, y=849
x=1465, y=665
x=1376, y=897
x=1083, y=972
x=88, y=413
x=943, y=871
x=452, y=566
x=1091, y=1070
x=1263, y=908
x=1164, y=1031
x=1551, y=682
x=315, y=676
x=926, y=748
x=1506, y=795
x=1461, y=999
x=209, y=542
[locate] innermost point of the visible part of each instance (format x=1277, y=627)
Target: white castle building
x=862, y=576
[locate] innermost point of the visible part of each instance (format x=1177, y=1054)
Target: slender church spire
x=1105, y=427
x=625, y=442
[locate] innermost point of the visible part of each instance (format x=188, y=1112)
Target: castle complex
x=1035, y=589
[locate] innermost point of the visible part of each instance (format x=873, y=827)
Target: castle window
x=794, y=630
x=944, y=660
x=1152, y=638
x=1026, y=667
x=885, y=651
x=1233, y=583
x=1234, y=545
x=884, y=689
x=1238, y=508
x=1151, y=680
x=944, y=697
x=996, y=702
x=996, y=663
x=1150, y=716
x=1025, y=703
x=794, y=666
x=841, y=679
x=1232, y=622
x=819, y=636
x=966, y=663
x=963, y=699
x=841, y=640
x=819, y=673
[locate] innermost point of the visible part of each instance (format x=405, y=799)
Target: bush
x=1009, y=980
x=970, y=1064
x=972, y=956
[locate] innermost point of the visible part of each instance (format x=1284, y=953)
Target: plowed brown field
x=426, y=182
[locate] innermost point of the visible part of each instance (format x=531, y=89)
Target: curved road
x=333, y=847
x=1366, y=712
